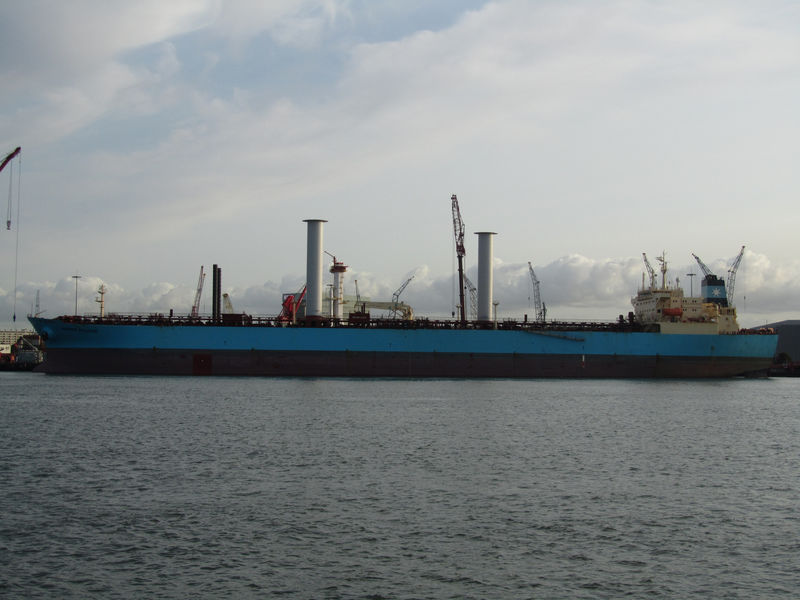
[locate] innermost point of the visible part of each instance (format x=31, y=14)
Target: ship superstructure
x=664, y=307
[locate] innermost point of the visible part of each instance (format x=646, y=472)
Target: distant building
x=19, y=349
x=9, y=337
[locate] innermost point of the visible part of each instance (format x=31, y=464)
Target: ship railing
x=245, y=320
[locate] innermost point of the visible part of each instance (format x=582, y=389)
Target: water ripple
x=250, y=488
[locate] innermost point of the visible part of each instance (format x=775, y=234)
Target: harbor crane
x=458, y=231
x=541, y=309
x=11, y=155
x=396, y=297
x=198, y=292
x=732, y=274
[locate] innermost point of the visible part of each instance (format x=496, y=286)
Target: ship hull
x=392, y=364
x=356, y=352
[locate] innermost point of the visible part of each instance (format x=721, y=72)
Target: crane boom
x=732, y=274
x=712, y=288
x=537, y=297
x=703, y=267
x=458, y=231
x=650, y=271
x=198, y=293
x=396, y=296
x=473, y=298
x=10, y=157
x=3, y=164
x=396, y=308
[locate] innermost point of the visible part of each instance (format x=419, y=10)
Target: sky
x=161, y=136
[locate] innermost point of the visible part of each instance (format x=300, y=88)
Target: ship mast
x=101, y=300
x=663, y=261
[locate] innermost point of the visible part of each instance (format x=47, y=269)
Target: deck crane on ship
x=458, y=231
x=290, y=304
x=396, y=308
x=712, y=288
x=732, y=274
x=473, y=298
x=650, y=272
x=396, y=297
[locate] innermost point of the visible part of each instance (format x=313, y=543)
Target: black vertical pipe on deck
x=219, y=293
x=214, y=287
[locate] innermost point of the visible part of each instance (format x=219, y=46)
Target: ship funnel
x=314, y=268
x=485, y=274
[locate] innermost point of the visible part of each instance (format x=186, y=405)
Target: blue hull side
x=332, y=351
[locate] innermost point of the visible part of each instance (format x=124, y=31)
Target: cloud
x=573, y=287
x=67, y=67
x=297, y=23
x=59, y=42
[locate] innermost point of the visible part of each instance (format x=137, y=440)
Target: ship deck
x=356, y=321
x=365, y=322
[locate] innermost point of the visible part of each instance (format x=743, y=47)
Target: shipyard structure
x=667, y=334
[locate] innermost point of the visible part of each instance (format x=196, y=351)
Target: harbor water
x=157, y=487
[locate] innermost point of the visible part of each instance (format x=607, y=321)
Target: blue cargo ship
x=386, y=349
x=666, y=335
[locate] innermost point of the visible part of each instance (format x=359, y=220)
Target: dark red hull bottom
x=387, y=364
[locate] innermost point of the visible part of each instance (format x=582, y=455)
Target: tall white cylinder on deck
x=485, y=274
x=314, y=268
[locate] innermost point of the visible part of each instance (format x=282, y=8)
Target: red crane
x=291, y=303
x=458, y=230
x=7, y=160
